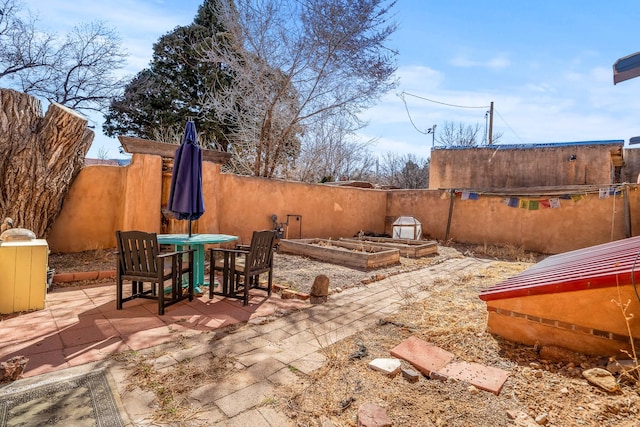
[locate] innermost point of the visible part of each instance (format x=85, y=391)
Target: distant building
x=528, y=165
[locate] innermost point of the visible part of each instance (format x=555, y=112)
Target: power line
x=505, y=122
x=401, y=96
x=441, y=103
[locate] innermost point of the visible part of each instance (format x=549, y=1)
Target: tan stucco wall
x=489, y=167
x=247, y=203
x=631, y=168
x=576, y=224
x=104, y=199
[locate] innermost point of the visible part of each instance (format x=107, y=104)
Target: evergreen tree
x=162, y=97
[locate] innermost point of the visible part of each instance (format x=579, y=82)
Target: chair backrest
x=137, y=252
x=261, y=251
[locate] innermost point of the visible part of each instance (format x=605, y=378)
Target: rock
x=317, y=300
x=389, y=366
x=372, y=415
x=521, y=418
x=564, y=390
x=542, y=419
x=411, y=375
x=601, y=378
x=12, y=369
x=320, y=287
x=472, y=389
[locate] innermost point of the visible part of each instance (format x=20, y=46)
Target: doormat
x=85, y=400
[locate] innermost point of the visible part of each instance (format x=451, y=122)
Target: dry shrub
x=452, y=317
x=173, y=385
x=507, y=252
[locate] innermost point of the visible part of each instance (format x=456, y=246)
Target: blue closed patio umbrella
x=185, y=196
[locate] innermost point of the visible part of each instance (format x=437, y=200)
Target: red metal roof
x=594, y=267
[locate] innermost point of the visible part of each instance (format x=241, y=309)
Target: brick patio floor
x=80, y=328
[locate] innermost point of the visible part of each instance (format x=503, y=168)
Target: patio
x=82, y=325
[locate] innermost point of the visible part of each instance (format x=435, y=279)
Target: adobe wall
x=103, y=199
x=247, y=204
x=631, y=168
x=576, y=224
x=106, y=198
x=499, y=167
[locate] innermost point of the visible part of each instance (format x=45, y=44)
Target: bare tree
x=292, y=62
x=458, y=134
x=330, y=152
x=407, y=171
x=79, y=72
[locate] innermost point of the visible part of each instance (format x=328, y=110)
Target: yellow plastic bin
x=23, y=275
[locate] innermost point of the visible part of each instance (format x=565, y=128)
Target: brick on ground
x=424, y=356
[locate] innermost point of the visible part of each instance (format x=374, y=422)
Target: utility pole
x=432, y=131
x=491, y=124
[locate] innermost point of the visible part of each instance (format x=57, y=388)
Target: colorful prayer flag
x=514, y=202
x=554, y=203
x=524, y=204
x=533, y=205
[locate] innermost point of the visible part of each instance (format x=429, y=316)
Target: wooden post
x=452, y=198
x=627, y=212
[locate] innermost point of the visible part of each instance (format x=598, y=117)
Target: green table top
x=184, y=239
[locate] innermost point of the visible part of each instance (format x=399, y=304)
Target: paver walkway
x=268, y=348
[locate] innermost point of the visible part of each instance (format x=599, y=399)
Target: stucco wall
x=500, y=167
x=576, y=224
x=104, y=199
x=631, y=168
x=247, y=203
x=107, y=198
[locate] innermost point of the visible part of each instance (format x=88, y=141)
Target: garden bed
x=360, y=255
x=408, y=248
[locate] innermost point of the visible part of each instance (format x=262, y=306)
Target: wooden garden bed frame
x=408, y=248
x=359, y=255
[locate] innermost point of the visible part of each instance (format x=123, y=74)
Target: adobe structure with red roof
x=587, y=300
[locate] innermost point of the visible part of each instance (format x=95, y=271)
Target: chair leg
x=119, y=294
x=160, y=297
x=246, y=290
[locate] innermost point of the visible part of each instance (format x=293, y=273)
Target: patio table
x=197, y=242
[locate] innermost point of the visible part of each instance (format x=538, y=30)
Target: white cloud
x=497, y=62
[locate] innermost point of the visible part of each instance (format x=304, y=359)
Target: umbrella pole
x=189, y=228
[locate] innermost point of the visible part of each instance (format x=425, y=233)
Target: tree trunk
x=39, y=159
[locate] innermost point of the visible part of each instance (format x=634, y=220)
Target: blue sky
x=546, y=65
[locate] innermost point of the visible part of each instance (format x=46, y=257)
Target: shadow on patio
x=81, y=325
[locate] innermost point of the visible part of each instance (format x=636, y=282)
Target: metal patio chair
x=140, y=261
x=240, y=268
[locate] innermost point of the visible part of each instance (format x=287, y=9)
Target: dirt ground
x=537, y=392
x=298, y=273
